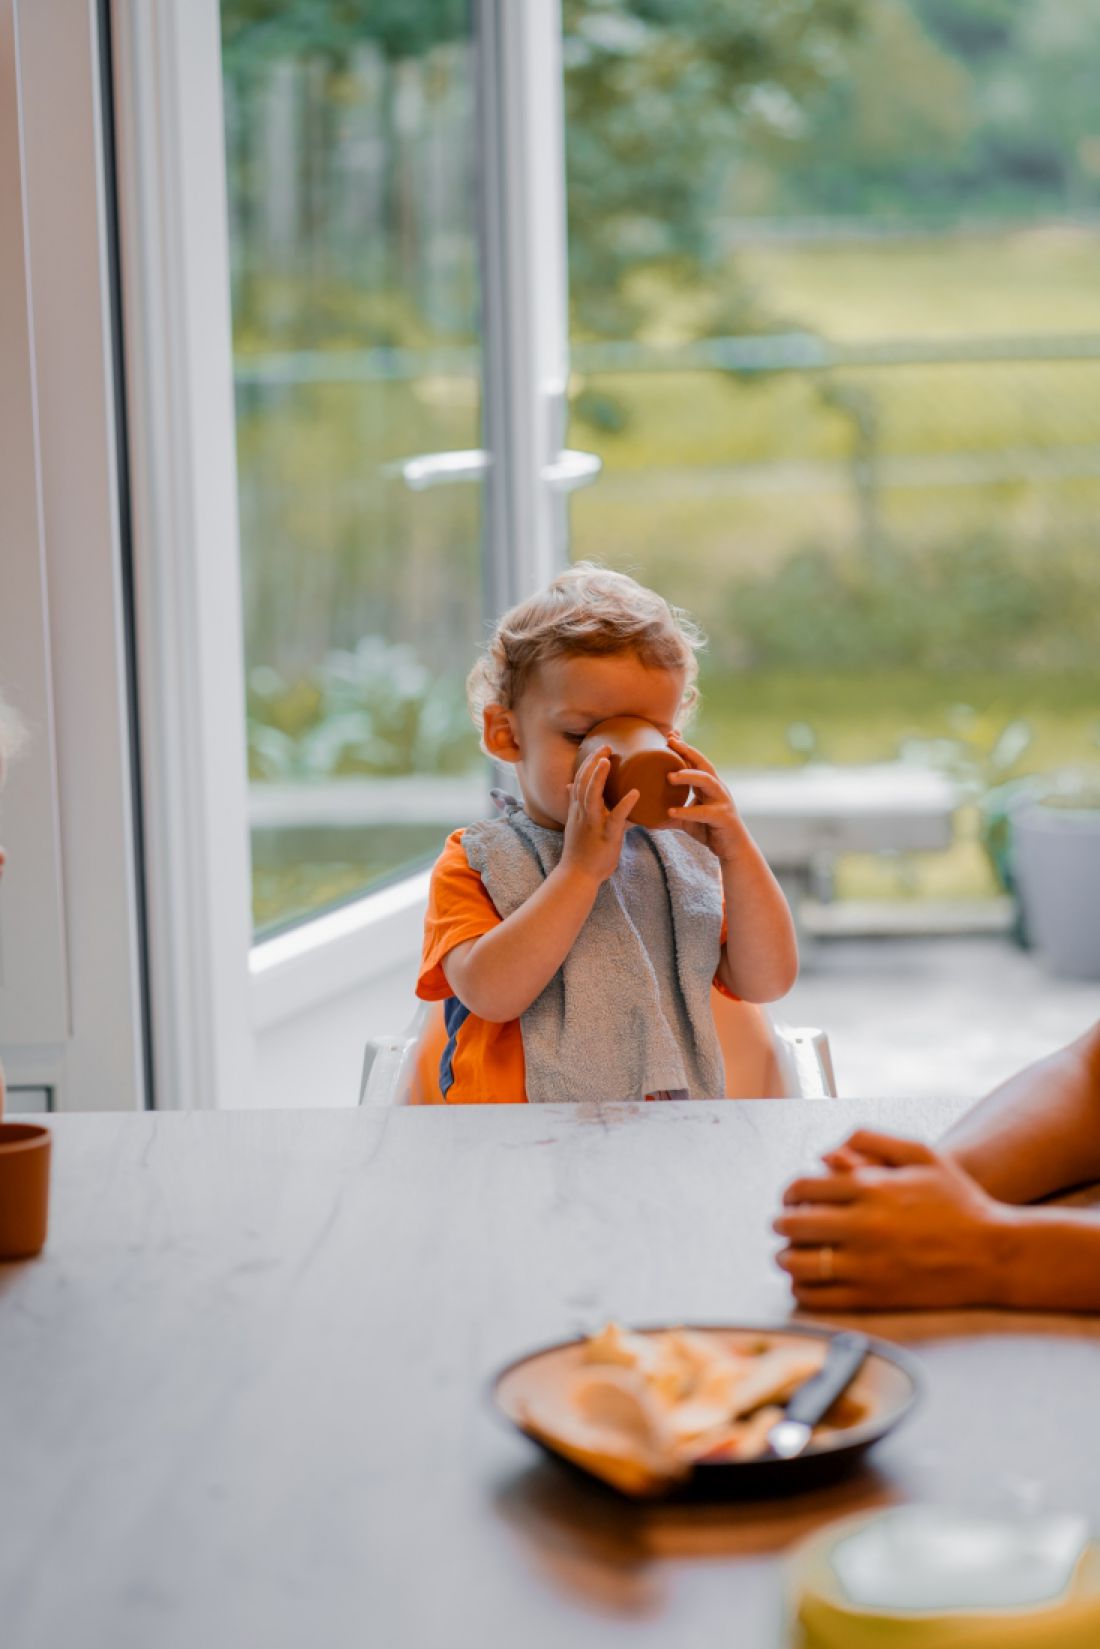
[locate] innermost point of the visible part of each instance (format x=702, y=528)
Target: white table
x=242, y=1393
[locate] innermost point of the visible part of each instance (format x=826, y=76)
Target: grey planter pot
x=1057, y=863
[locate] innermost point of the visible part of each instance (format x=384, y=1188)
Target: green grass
x=1042, y=279
x=743, y=720
x=292, y=878
x=691, y=492
x=703, y=419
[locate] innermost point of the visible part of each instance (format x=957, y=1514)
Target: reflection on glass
x=835, y=278
x=350, y=154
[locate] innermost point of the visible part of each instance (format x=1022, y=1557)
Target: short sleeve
x=458, y=909
x=724, y=990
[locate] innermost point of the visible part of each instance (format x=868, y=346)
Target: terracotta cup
x=24, y=1189
x=640, y=760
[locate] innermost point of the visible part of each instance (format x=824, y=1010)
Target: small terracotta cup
x=24, y=1189
x=640, y=760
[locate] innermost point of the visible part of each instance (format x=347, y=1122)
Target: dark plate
x=887, y=1382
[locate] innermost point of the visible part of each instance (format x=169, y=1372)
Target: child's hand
x=593, y=835
x=712, y=817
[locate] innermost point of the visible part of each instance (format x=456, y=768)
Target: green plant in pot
x=1056, y=866
x=981, y=758
x=996, y=809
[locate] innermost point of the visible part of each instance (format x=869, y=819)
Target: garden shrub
x=974, y=605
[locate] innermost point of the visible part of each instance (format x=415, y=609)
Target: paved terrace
x=935, y=1015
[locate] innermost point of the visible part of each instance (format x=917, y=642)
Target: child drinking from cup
x=575, y=954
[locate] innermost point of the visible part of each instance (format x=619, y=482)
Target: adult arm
x=1039, y=1132
x=896, y=1224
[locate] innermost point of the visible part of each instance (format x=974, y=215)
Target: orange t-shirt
x=483, y=1062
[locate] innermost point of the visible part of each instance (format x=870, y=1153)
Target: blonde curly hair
x=587, y=610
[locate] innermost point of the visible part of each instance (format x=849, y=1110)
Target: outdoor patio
x=923, y=1016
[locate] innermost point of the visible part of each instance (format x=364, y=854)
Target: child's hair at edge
x=588, y=610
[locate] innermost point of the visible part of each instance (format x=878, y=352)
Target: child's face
x=563, y=700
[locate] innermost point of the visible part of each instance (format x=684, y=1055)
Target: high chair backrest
x=764, y=1060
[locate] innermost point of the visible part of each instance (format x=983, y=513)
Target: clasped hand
x=905, y=1227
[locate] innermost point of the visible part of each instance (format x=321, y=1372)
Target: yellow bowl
x=822, y=1617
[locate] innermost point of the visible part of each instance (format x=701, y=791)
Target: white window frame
x=213, y=991
x=174, y=262
x=71, y=1007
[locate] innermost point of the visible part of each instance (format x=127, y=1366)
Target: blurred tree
x=973, y=29
x=986, y=107
x=660, y=97
x=681, y=114
x=331, y=29
x=885, y=132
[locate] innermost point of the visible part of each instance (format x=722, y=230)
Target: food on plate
x=643, y=1408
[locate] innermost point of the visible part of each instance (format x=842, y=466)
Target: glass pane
x=835, y=285
x=351, y=153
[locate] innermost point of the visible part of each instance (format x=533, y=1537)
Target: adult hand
x=894, y=1225
x=593, y=834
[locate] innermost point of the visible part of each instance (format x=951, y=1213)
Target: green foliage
x=659, y=96
x=375, y=710
x=298, y=872
x=601, y=411
x=981, y=106
x=977, y=752
x=900, y=114
x=974, y=29
x=976, y=605
x=256, y=29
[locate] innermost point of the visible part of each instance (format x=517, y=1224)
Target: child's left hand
x=712, y=816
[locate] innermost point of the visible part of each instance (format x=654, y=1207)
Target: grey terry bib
x=629, y=1012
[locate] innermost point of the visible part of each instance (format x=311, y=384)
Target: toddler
x=575, y=956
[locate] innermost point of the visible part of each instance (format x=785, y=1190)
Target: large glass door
x=351, y=156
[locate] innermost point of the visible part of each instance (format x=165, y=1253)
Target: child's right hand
x=593, y=834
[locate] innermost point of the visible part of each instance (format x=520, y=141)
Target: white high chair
x=764, y=1059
